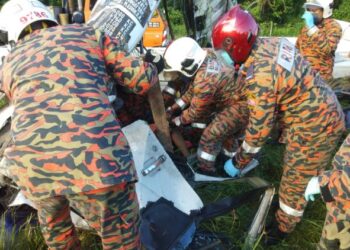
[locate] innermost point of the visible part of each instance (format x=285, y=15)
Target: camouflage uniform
x=134, y=107
x=113, y=212
x=319, y=48
x=335, y=189
x=213, y=97
x=174, y=90
x=67, y=140
x=282, y=89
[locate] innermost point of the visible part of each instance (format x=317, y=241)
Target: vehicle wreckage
x=167, y=180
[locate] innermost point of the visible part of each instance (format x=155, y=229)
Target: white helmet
x=326, y=5
x=184, y=55
x=20, y=14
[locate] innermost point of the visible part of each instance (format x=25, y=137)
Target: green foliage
x=278, y=11
x=342, y=11
x=176, y=16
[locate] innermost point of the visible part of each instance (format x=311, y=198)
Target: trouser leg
x=114, y=213
x=302, y=160
x=336, y=228
x=220, y=130
x=56, y=224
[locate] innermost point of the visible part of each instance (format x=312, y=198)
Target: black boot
x=274, y=235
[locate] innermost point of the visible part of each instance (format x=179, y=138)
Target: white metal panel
x=165, y=182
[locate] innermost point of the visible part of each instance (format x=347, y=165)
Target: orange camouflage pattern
x=67, y=139
x=335, y=189
x=174, y=90
x=215, y=98
x=212, y=90
x=111, y=211
x=319, y=48
x=282, y=89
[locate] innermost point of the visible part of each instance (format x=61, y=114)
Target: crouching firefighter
x=212, y=97
x=282, y=89
x=334, y=186
x=68, y=148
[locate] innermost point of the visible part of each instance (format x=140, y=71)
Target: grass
x=234, y=225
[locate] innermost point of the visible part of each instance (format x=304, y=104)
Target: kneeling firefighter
x=212, y=97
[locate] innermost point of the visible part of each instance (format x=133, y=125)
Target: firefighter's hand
x=309, y=19
x=313, y=187
x=231, y=169
x=156, y=59
x=177, y=121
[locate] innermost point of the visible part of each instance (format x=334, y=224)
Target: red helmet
x=235, y=32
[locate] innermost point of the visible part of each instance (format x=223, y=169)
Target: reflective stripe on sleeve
x=228, y=153
x=249, y=149
x=169, y=90
x=181, y=103
x=206, y=156
x=290, y=211
x=198, y=125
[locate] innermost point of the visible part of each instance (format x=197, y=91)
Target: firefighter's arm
x=298, y=42
x=202, y=98
x=180, y=104
x=185, y=100
x=326, y=40
x=129, y=71
x=335, y=184
x=261, y=103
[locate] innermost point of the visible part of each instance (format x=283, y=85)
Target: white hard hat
x=326, y=5
x=184, y=55
x=19, y=14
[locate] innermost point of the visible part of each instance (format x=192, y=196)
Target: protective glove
x=309, y=19
x=230, y=168
x=177, y=121
x=313, y=187
x=155, y=58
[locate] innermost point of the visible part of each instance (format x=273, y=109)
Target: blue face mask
x=225, y=57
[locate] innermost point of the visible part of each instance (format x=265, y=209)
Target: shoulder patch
x=213, y=66
x=286, y=54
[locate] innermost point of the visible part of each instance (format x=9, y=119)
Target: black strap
x=226, y=204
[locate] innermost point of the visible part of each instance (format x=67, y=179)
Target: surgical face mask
x=225, y=57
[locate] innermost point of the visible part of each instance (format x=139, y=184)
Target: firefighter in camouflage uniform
x=319, y=38
x=68, y=148
x=281, y=88
x=212, y=98
x=334, y=186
